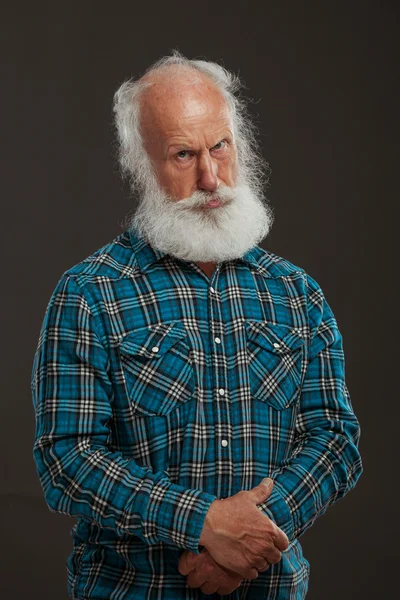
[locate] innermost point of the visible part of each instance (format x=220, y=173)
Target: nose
x=207, y=174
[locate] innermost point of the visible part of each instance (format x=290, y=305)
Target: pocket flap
x=153, y=341
x=279, y=339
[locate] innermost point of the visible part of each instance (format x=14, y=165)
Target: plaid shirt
x=158, y=389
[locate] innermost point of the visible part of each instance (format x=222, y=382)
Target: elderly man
x=189, y=385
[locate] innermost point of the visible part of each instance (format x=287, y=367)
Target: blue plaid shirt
x=157, y=389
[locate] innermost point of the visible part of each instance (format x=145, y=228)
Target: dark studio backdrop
x=323, y=77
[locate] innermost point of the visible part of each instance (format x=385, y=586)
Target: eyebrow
x=187, y=146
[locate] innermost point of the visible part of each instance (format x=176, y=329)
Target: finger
x=280, y=538
x=225, y=590
x=262, y=565
x=186, y=563
x=267, y=566
x=232, y=574
x=196, y=578
x=260, y=492
x=250, y=573
x=229, y=586
x=209, y=587
x=274, y=555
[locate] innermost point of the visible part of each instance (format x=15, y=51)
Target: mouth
x=213, y=203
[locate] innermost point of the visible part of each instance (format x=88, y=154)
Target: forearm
x=90, y=481
x=324, y=467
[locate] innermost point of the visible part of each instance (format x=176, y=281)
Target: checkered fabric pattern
x=157, y=389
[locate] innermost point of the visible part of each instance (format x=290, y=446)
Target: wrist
x=208, y=527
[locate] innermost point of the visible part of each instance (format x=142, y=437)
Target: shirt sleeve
x=325, y=463
x=80, y=476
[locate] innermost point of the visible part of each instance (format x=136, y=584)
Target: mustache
x=199, y=198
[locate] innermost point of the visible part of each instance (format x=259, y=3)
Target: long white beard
x=186, y=230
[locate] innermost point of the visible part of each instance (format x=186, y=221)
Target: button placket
x=221, y=405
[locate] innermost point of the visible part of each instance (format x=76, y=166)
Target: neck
x=207, y=267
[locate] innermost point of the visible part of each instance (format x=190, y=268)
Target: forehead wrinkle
x=191, y=137
x=164, y=105
x=187, y=125
x=171, y=114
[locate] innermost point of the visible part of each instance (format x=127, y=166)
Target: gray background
x=324, y=80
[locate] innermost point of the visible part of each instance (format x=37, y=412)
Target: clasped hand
x=203, y=572
x=240, y=542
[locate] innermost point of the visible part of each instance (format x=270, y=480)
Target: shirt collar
x=146, y=255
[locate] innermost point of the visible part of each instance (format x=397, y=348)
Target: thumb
x=262, y=490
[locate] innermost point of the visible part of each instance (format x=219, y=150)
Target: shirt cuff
x=180, y=516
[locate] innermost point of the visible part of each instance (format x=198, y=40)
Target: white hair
x=134, y=161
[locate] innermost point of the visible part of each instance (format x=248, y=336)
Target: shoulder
x=114, y=260
x=275, y=265
x=307, y=289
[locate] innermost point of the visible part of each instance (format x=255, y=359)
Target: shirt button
x=217, y=340
x=212, y=289
x=298, y=331
x=221, y=391
x=224, y=443
x=155, y=349
x=276, y=345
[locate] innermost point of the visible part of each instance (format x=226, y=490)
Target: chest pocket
x=157, y=368
x=277, y=362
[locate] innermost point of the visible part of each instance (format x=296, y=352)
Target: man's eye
x=183, y=154
x=219, y=146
